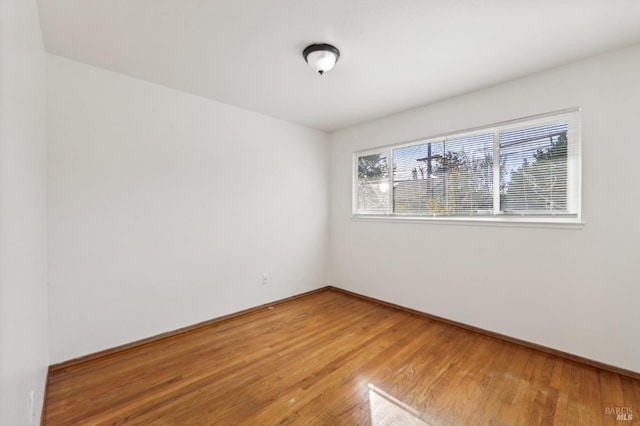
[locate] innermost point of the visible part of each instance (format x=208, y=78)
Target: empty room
x=362, y=212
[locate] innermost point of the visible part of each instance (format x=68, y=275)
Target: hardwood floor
x=331, y=358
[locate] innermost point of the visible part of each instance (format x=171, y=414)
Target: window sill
x=508, y=221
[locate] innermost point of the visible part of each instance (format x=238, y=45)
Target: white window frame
x=574, y=175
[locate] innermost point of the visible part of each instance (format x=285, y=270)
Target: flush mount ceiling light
x=321, y=57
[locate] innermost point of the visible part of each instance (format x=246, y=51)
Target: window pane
x=449, y=177
x=373, y=184
x=469, y=174
x=529, y=168
x=533, y=169
x=414, y=185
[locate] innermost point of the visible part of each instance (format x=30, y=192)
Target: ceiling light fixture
x=321, y=57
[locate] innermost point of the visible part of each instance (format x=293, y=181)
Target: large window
x=524, y=169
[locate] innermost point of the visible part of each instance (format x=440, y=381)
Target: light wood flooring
x=333, y=359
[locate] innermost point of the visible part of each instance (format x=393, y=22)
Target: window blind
x=533, y=175
x=453, y=176
x=526, y=167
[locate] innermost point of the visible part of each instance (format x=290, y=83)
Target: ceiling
x=395, y=54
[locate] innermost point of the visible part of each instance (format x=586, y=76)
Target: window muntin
x=524, y=168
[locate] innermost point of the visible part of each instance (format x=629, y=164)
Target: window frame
x=573, y=216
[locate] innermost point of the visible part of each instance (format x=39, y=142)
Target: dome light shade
x=321, y=57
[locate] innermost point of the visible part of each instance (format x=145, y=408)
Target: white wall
x=23, y=279
x=573, y=290
x=165, y=209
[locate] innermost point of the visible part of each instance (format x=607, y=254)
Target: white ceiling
x=396, y=54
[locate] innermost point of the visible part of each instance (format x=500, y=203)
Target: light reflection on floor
x=387, y=410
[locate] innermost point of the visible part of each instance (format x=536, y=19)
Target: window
x=519, y=170
x=373, y=183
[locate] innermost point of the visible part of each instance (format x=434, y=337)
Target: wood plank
x=572, y=357
x=333, y=358
x=170, y=334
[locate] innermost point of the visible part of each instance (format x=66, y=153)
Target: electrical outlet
x=265, y=278
x=32, y=406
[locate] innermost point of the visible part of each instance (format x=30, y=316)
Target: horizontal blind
x=534, y=168
x=415, y=186
x=453, y=176
x=528, y=167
